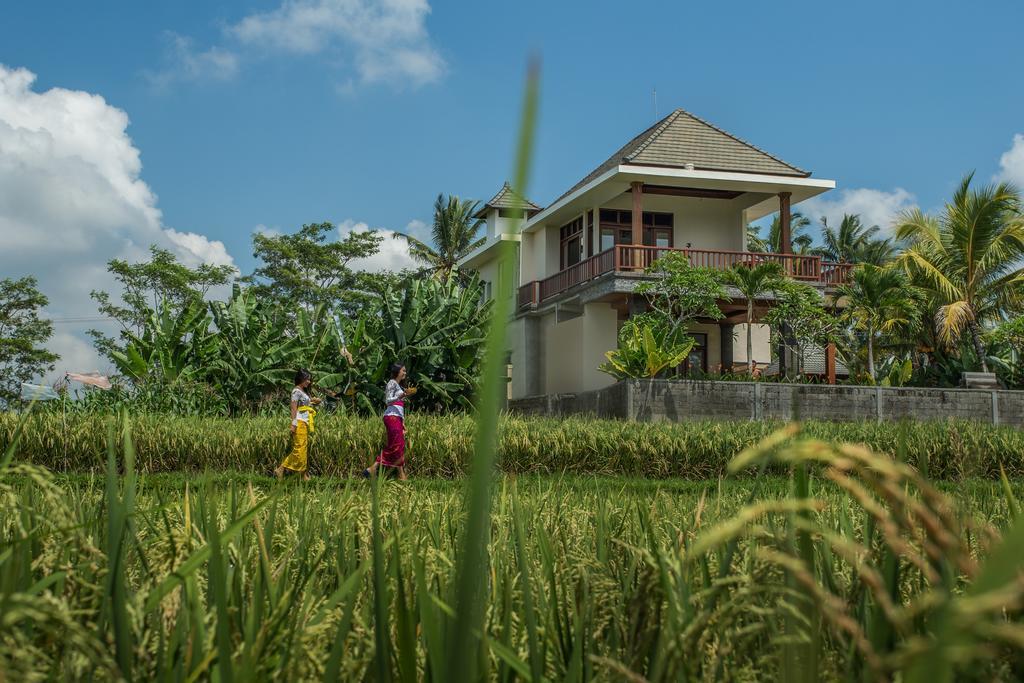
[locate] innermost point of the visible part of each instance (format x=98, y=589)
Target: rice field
x=443, y=446
x=849, y=566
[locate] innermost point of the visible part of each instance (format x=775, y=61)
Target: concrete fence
x=676, y=400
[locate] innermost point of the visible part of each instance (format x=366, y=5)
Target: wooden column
x=785, y=218
x=830, y=363
x=638, y=212
x=590, y=232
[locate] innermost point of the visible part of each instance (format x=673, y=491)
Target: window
x=512, y=213
x=617, y=228
x=571, y=243
x=697, y=362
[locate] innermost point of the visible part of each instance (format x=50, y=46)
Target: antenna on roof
x=655, y=94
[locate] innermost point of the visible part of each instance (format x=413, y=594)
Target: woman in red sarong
x=393, y=455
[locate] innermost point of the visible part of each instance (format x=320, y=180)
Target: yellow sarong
x=297, y=460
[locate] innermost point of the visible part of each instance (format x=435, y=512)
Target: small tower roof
x=507, y=198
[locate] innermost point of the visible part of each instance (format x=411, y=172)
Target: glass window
x=697, y=362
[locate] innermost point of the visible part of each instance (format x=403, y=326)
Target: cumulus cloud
x=377, y=40
x=876, y=207
x=73, y=198
x=393, y=254
x=1011, y=163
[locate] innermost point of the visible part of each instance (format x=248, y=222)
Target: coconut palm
x=879, y=301
x=853, y=242
x=753, y=282
x=801, y=241
x=970, y=259
x=453, y=235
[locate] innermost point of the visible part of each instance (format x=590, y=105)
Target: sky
x=193, y=124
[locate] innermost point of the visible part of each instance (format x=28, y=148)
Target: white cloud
x=196, y=249
x=876, y=207
x=72, y=198
x=393, y=254
x=1011, y=163
x=185, y=63
x=379, y=41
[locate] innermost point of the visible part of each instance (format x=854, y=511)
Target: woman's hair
x=395, y=369
x=301, y=375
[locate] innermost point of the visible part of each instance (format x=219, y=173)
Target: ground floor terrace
x=559, y=344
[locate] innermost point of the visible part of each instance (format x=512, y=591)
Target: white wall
x=760, y=338
x=600, y=335
x=715, y=224
x=562, y=347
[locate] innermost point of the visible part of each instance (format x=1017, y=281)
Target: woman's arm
x=295, y=413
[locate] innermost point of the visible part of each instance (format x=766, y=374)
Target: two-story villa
x=682, y=184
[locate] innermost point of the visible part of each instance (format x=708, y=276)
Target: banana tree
x=256, y=355
x=170, y=346
x=646, y=349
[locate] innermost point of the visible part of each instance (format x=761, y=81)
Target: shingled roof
x=681, y=139
x=506, y=199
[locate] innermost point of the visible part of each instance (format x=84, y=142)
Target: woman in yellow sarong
x=301, y=428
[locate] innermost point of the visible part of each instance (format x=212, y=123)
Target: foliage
x=311, y=267
x=853, y=242
x=753, y=283
x=682, y=293
x=160, y=281
x=453, y=233
x=647, y=348
x=969, y=258
x=174, y=344
x=22, y=332
x=799, y=320
x=1009, y=332
x=895, y=372
x=879, y=302
x=802, y=242
x=435, y=327
x=154, y=578
x=256, y=355
x=239, y=356
x=442, y=445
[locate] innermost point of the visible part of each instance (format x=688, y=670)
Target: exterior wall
x=600, y=335
x=488, y=272
x=714, y=349
x=760, y=341
x=562, y=357
x=704, y=223
x=677, y=400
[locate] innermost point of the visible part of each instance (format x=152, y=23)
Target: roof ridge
x=665, y=123
x=740, y=140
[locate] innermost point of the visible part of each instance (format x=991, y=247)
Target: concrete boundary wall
x=677, y=400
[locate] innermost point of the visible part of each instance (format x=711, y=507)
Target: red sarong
x=393, y=454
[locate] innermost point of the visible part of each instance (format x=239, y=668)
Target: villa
x=681, y=185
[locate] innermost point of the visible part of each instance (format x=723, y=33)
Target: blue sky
x=278, y=112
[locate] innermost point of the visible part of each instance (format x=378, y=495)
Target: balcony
x=627, y=258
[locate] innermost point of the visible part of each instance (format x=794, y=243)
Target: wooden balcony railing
x=833, y=274
x=529, y=295
x=625, y=258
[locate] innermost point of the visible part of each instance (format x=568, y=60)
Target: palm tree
x=969, y=258
x=879, y=301
x=853, y=242
x=753, y=282
x=453, y=235
x=801, y=241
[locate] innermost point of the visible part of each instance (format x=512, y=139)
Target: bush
x=441, y=446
